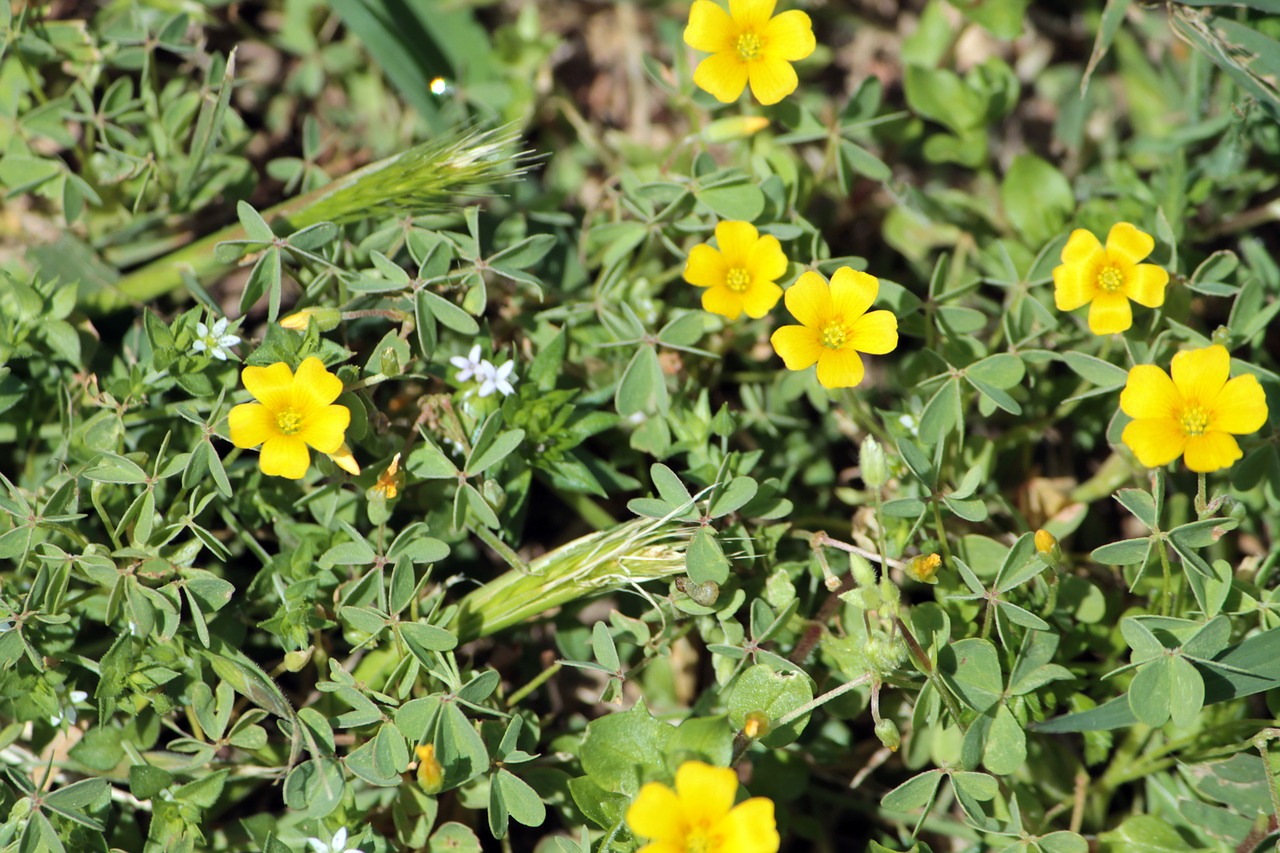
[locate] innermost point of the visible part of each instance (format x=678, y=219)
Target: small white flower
x=68, y=714
x=497, y=378
x=468, y=365
x=216, y=342
x=337, y=845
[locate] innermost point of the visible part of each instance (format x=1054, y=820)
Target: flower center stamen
x=738, y=280
x=289, y=422
x=1110, y=279
x=697, y=842
x=833, y=335
x=1194, y=421
x=748, y=47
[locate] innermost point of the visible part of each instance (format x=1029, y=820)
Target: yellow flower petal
x=766, y=260
x=709, y=29
x=1149, y=393
x=251, y=424
x=656, y=814
x=876, y=333
x=852, y=293
x=706, y=789
x=705, y=266
x=1127, y=243
x=760, y=299
x=724, y=75
x=1081, y=246
x=1110, y=313
x=346, y=460
x=1240, y=407
x=1146, y=284
x=799, y=346
x=789, y=36
x=1200, y=374
x=753, y=14
x=809, y=300
x=272, y=385
x=750, y=828
x=839, y=368
x=736, y=240
x=723, y=301
x=1155, y=441
x=1212, y=451
x=285, y=456
x=1076, y=283
x=664, y=847
x=325, y=427
x=314, y=386
x=772, y=79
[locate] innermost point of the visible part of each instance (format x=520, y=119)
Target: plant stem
x=541, y=678
x=1167, y=586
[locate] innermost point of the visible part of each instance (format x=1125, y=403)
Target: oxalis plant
x=719, y=427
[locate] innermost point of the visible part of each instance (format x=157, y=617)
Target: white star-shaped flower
x=337, y=845
x=497, y=378
x=468, y=365
x=216, y=342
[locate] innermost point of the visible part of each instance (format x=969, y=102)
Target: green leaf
x=1037, y=199
x=620, y=751
x=448, y=313
x=500, y=449
x=1006, y=746
x=1126, y=552
x=520, y=800
x=642, y=390
x=940, y=95
x=1003, y=370
x=762, y=689
x=1104, y=374
x=915, y=793
x=972, y=668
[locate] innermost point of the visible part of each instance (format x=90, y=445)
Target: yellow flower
x=748, y=43
x=835, y=326
x=700, y=815
x=1045, y=541
x=924, y=568
x=742, y=275
x=292, y=412
x=430, y=772
x=1108, y=277
x=1195, y=413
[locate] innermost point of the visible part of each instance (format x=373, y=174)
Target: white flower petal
x=202, y=331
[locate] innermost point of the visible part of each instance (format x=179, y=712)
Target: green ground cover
x=650, y=425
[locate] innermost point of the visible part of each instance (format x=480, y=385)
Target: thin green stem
x=541, y=678
x=1202, y=503
x=1166, y=592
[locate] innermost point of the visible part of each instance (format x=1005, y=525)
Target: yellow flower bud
x=430, y=773
x=326, y=318
x=756, y=725
x=887, y=732
x=344, y=459
x=924, y=568
x=1045, y=541
x=737, y=127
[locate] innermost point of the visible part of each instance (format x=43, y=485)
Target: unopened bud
x=1047, y=547
x=1045, y=541
x=326, y=318
x=430, y=773
x=737, y=127
x=863, y=574
x=345, y=460
x=295, y=660
x=875, y=468
x=756, y=725
x=888, y=734
x=924, y=568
